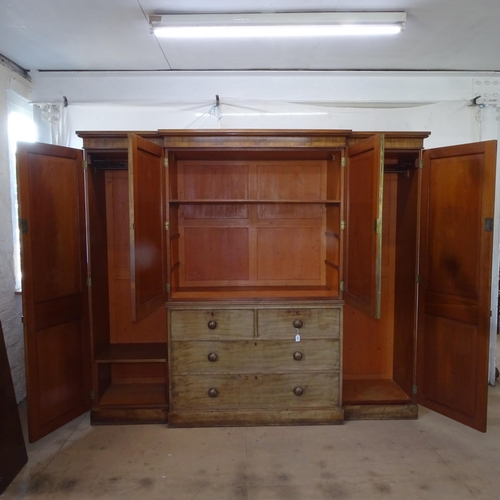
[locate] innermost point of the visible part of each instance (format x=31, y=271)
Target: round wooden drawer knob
x=298, y=391
x=297, y=323
x=212, y=324
x=213, y=357
x=297, y=356
x=213, y=392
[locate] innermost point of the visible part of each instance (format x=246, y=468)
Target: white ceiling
x=442, y=35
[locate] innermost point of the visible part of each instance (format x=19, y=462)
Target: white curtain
x=52, y=122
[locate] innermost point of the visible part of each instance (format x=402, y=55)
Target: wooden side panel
x=13, y=454
x=363, y=195
x=147, y=226
x=455, y=262
x=368, y=342
x=98, y=258
x=55, y=297
x=405, y=296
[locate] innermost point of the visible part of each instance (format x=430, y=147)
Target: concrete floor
x=430, y=458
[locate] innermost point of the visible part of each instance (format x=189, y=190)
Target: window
x=21, y=127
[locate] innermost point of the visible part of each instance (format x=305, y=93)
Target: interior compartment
x=246, y=224
x=379, y=354
x=130, y=357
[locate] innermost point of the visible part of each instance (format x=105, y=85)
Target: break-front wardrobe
x=251, y=277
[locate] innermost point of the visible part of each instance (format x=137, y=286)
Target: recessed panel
x=55, y=227
x=216, y=253
x=289, y=253
x=60, y=370
x=288, y=211
x=290, y=180
x=213, y=181
x=211, y=211
x=451, y=356
x=454, y=235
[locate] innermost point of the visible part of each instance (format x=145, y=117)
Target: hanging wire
x=216, y=110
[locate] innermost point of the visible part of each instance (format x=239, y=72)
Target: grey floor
x=430, y=458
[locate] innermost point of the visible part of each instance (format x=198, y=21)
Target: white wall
x=436, y=102
x=374, y=101
x=10, y=304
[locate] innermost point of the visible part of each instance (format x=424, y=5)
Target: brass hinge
x=165, y=161
x=342, y=163
x=23, y=226
x=377, y=226
x=341, y=286
x=85, y=164
x=92, y=395
x=417, y=278
x=414, y=389
x=420, y=163
x=342, y=225
x=89, y=281
x=167, y=225
x=167, y=287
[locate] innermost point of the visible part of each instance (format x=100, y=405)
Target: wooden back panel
x=268, y=229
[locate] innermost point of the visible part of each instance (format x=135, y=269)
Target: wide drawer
x=254, y=391
x=308, y=323
x=248, y=356
x=212, y=324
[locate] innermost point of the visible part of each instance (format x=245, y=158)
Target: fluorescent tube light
x=309, y=24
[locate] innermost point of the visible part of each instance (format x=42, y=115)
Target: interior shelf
x=373, y=391
x=235, y=293
x=143, y=395
x=133, y=353
x=253, y=201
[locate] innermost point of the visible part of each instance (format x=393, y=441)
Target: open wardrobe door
x=363, y=225
x=54, y=285
x=147, y=226
x=456, y=237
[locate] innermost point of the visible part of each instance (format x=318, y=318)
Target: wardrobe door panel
x=455, y=265
x=147, y=226
x=55, y=294
x=363, y=225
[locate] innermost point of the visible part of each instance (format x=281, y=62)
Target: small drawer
x=212, y=324
x=308, y=323
x=271, y=391
x=254, y=356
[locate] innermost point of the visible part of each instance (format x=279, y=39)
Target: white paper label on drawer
x=297, y=337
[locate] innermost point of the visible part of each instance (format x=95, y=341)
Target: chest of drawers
x=255, y=364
